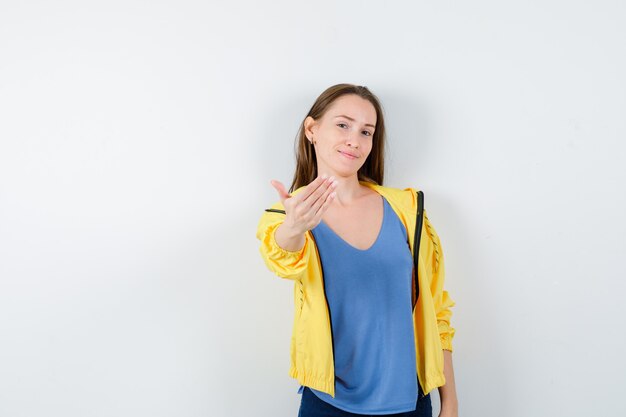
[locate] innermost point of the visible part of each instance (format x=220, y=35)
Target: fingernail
x=324, y=176
x=331, y=179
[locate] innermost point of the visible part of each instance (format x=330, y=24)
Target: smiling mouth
x=347, y=155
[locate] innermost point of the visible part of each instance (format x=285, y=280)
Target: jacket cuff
x=285, y=254
x=446, y=342
x=284, y=263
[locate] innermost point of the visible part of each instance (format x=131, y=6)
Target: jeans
x=312, y=406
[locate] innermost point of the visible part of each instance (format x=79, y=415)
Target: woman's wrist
x=449, y=408
x=288, y=239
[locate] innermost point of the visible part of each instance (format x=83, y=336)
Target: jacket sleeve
x=284, y=263
x=441, y=298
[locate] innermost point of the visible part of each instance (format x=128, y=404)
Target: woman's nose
x=352, y=141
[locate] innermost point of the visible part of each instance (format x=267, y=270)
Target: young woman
x=371, y=335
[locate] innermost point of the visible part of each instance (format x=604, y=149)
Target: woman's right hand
x=304, y=211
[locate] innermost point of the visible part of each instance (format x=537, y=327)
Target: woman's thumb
x=282, y=192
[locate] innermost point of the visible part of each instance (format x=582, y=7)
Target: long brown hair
x=373, y=170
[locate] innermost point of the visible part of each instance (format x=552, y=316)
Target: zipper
x=416, y=242
x=416, y=248
x=275, y=210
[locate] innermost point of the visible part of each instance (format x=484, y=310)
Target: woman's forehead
x=353, y=108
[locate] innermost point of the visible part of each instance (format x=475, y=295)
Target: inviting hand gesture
x=304, y=211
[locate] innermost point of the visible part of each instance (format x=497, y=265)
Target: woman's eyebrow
x=352, y=120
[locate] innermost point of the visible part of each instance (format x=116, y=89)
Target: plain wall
x=137, y=144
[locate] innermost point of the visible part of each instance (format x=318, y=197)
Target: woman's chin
x=346, y=173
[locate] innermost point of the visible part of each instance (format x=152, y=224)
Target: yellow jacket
x=311, y=350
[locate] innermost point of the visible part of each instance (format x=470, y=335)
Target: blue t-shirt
x=369, y=296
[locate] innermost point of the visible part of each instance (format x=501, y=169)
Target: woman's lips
x=347, y=155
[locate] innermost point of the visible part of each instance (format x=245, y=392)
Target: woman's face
x=343, y=135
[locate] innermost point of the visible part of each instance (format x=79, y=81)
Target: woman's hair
x=373, y=170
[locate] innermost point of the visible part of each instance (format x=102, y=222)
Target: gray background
x=138, y=139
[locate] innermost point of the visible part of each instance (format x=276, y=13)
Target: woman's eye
x=366, y=132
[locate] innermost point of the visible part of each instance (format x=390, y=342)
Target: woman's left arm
x=447, y=392
x=442, y=303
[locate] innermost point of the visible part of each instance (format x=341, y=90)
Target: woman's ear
x=310, y=126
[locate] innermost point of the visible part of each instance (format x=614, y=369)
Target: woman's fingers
x=304, y=210
x=310, y=201
x=324, y=207
x=311, y=188
x=328, y=190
